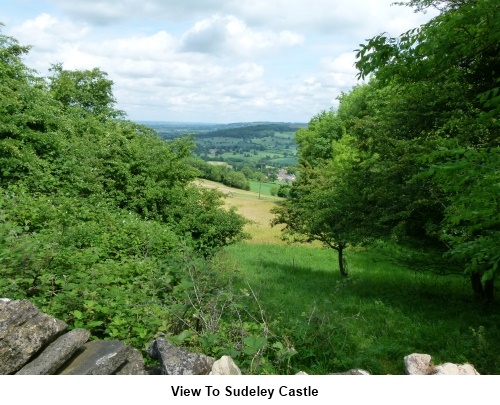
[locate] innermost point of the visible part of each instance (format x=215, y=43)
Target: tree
x=316, y=140
x=452, y=66
x=414, y=154
x=62, y=138
x=459, y=45
x=471, y=227
x=323, y=203
x=89, y=90
x=29, y=140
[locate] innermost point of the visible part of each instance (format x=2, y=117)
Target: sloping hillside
x=248, y=204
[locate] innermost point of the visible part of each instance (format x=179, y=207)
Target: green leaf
x=253, y=344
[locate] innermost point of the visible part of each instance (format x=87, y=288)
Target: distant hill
x=246, y=130
x=250, y=131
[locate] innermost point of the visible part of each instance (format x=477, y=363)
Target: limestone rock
x=99, y=357
x=134, y=365
x=225, y=366
x=354, y=371
x=57, y=353
x=178, y=361
x=418, y=364
x=455, y=369
x=24, y=330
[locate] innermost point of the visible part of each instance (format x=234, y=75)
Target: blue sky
x=209, y=60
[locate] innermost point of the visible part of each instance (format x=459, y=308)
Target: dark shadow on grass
x=376, y=316
x=423, y=300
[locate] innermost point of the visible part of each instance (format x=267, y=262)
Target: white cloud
x=42, y=31
x=213, y=60
x=228, y=35
x=325, y=16
x=343, y=63
x=339, y=72
x=108, y=12
x=155, y=47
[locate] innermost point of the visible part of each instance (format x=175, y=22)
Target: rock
x=418, y=364
x=225, y=366
x=154, y=369
x=301, y=373
x=100, y=357
x=354, y=371
x=177, y=361
x=455, y=369
x=24, y=330
x=57, y=353
x=134, y=364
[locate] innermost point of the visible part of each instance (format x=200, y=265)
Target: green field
x=264, y=188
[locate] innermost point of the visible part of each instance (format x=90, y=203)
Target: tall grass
x=370, y=320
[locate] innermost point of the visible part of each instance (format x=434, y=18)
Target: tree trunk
x=342, y=261
x=482, y=292
x=488, y=291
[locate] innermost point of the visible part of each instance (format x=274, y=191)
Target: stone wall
x=35, y=343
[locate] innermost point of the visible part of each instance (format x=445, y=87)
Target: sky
x=213, y=61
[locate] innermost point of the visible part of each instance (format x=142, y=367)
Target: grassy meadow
x=371, y=320
x=264, y=187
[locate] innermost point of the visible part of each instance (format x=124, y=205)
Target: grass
x=371, y=320
x=382, y=312
x=265, y=188
x=248, y=204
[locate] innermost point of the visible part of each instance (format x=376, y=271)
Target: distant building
x=283, y=175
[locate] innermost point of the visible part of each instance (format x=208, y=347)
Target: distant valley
x=254, y=144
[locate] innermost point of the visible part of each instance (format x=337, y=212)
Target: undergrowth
x=122, y=277
x=276, y=309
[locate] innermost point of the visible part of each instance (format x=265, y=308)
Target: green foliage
x=413, y=154
x=221, y=174
x=100, y=224
x=198, y=215
x=324, y=204
x=100, y=268
x=472, y=216
x=284, y=191
x=315, y=141
x=89, y=90
x=455, y=57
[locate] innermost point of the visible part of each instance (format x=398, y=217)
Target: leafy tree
x=413, y=154
x=315, y=141
x=451, y=65
x=29, y=139
x=283, y=190
x=236, y=179
x=320, y=206
x=89, y=90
